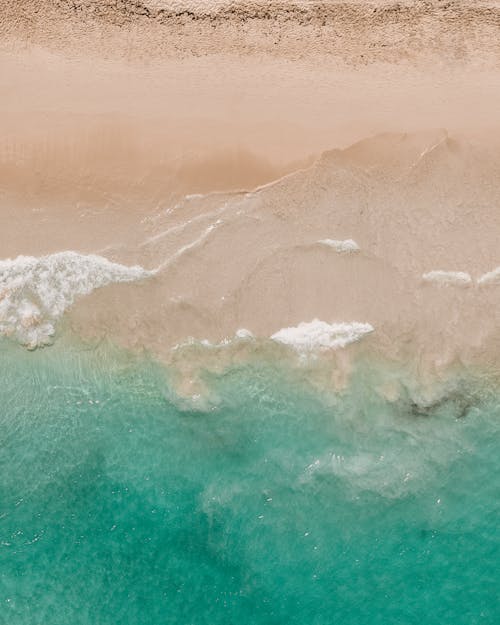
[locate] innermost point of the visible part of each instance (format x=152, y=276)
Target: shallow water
x=275, y=505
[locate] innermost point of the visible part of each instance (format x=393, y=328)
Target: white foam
x=316, y=334
x=347, y=246
x=448, y=278
x=492, y=277
x=35, y=292
x=242, y=334
x=189, y=246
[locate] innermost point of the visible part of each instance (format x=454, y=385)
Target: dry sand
x=113, y=111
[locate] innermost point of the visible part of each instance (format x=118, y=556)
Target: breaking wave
x=35, y=292
x=316, y=334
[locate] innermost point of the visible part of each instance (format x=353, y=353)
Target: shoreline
x=372, y=234
x=192, y=380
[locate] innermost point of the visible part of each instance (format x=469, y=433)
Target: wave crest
x=316, y=334
x=35, y=291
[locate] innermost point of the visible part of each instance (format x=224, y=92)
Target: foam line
x=319, y=335
x=36, y=291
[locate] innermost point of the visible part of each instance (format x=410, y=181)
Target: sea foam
x=319, y=335
x=35, y=292
x=448, y=278
x=492, y=277
x=347, y=246
x=240, y=335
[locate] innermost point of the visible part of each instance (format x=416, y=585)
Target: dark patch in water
x=457, y=403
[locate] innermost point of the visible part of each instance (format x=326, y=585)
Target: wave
x=316, y=334
x=461, y=278
x=240, y=335
x=310, y=336
x=490, y=278
x=448, y=278
x=36, y=291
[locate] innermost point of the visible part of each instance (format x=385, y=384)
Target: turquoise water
x=278, y=505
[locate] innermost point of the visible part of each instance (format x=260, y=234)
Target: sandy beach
x=220, y=144
x=249, y=312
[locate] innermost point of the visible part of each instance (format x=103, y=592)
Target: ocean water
x=275, y=504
